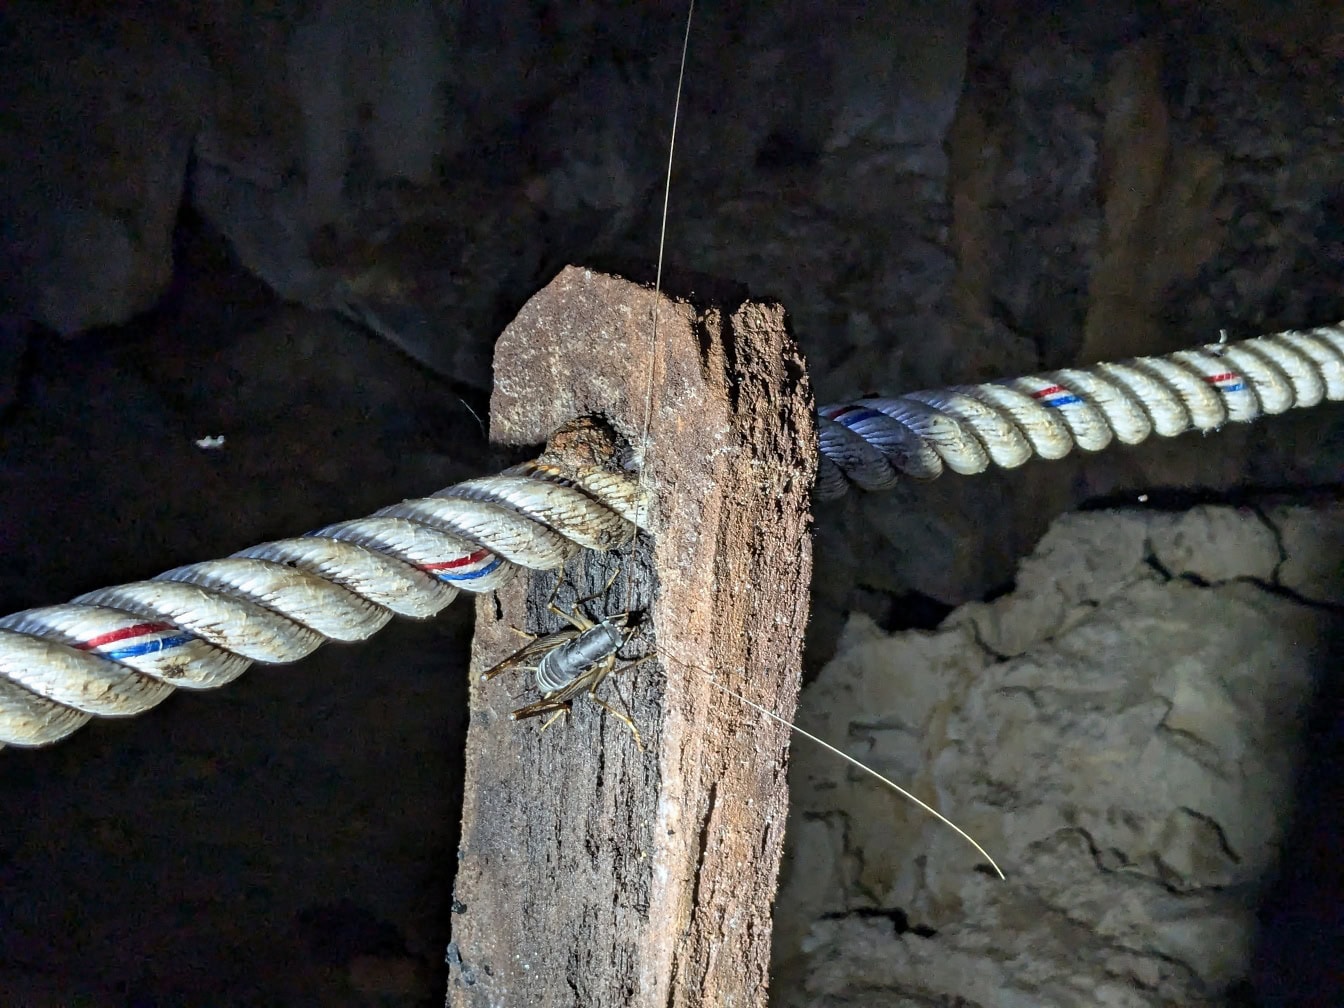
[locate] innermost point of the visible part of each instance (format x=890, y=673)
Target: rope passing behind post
x=119, y=651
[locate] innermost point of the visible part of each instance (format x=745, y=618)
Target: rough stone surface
x=1123, y=735
x=1219, y=544
x=1313, y=550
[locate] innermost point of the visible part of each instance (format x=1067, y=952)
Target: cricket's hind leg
x=623, y=716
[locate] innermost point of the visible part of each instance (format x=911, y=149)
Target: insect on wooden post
x=593, y=873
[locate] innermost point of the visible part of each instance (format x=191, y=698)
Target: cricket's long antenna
x=866, y=769
x=658, y=273
x=643, y=461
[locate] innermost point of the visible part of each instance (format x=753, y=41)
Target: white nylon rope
x=121, y=650
x=874, y=442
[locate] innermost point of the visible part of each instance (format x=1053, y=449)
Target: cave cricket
x=574, y=660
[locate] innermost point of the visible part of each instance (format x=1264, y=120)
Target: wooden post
x=593, y=874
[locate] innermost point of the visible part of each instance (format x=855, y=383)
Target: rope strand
x=872, y=443
x=119, y=651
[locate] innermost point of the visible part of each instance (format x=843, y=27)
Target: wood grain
x=592, y=873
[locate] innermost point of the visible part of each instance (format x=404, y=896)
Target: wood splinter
x=593, y=873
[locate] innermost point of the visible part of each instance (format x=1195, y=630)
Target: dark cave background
x=300, y=226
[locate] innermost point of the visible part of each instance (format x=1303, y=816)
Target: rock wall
x=1124, y=733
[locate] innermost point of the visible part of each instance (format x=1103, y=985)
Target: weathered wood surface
x=593, y=874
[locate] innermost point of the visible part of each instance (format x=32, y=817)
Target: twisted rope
x=119, y=651
x=874, y=442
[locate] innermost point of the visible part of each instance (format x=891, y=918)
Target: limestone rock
x=1126, y=748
